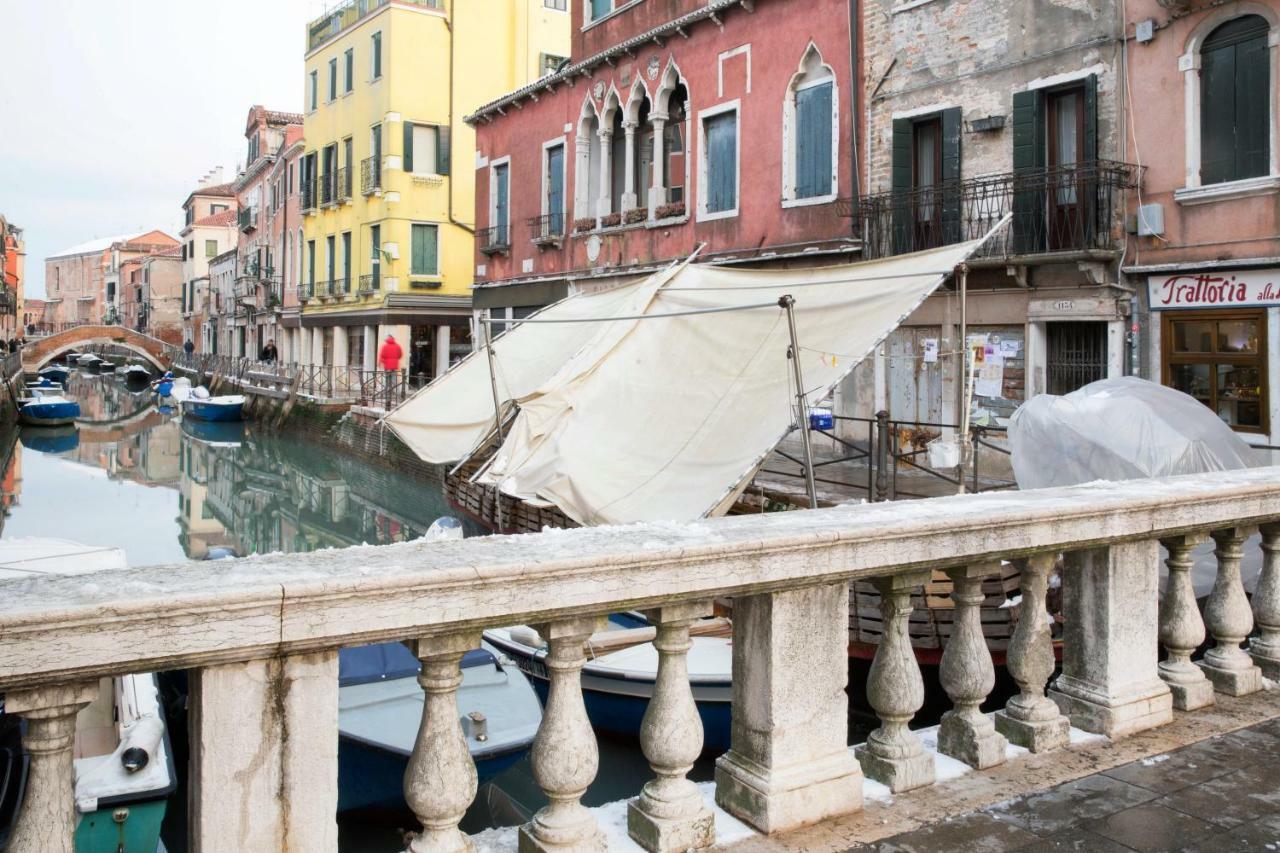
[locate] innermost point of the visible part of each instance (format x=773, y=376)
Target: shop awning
x=663, y=398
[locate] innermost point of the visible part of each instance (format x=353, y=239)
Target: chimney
x=212, y=178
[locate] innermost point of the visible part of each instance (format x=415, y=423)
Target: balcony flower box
x=582, y=226
x=669, y=211
x=611, y=220
x=635, y=214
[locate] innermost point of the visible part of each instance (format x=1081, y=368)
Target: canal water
x=134, y=477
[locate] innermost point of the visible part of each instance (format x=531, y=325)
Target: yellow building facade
x=388, y=177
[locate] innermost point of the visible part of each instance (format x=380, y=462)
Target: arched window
x=1235, y=101
x=586, y=183
x=670, y=120
x=811, y=130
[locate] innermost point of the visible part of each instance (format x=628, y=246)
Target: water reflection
x=237, y=489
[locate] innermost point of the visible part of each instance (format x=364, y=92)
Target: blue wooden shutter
x=555, y=189
x=722, y=162
x=813, y=141
x=600, y=8
x=500, y=202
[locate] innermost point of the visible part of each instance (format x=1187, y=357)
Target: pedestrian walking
x=188, y=347
x=390, y=354
x=269, y=353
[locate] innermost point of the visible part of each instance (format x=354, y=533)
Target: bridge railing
x=351, y=383
x=260, y=638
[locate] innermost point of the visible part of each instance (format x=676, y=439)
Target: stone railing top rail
x=178, y=616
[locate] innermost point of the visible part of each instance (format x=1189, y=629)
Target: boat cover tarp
x=1119, y=429
x=665, y=418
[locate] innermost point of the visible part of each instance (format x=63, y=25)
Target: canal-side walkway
x=1208, y=781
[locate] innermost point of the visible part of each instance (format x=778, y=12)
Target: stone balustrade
x=260, y=639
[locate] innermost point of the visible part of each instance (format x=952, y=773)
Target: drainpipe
x=448, y=23
x=855, y=92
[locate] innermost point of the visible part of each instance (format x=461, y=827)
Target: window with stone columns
x=613, y=148
x=586, y=182
x=638, y=170
x=810, y=133
x=670, y=172
x=1229, y=71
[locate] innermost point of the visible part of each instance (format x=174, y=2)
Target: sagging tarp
x=666, y=417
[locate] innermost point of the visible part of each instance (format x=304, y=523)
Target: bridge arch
x=155, y=351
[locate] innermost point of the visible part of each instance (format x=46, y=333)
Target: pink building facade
x=1204, y=255
x=674, y=124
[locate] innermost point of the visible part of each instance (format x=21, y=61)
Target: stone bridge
x=157, y=352
x=261, y=636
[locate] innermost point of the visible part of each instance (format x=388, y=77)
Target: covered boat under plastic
x=1119, y=429
x=660, y=399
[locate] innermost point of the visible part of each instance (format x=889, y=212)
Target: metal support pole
x=787, y=303
x=497, y=415
x=882, y=456
x=962, y=410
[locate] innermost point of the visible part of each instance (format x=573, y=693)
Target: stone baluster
x=1182, y=628
x=47, y=820
x=440, y=781
x=1030, y=719
x=565, y=756
x=968, y=675
x=629, y=164
x=670, y=814
x=1265, y=650
x=658, y=186
x=1230, y=620
x=893, y=755
x=605, y=204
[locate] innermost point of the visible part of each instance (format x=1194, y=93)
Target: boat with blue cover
x=55, y=373
x=380, y=710
x=229, y=407
x=48, y=407
x=622, y=668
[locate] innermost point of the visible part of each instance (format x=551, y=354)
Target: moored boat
x=622, y=668
x=222, y=409
x=55, y=373
x=380, y=711
x=124, y=769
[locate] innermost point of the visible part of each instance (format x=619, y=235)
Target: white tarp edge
x=665, y=418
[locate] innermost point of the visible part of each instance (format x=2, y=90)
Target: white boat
x=124, y=769
x=622, y=668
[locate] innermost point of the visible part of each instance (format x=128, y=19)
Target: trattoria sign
x=1238, y=289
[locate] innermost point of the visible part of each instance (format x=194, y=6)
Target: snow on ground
x=613, y=816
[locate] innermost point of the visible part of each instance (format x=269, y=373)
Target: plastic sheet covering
x=1119, y=429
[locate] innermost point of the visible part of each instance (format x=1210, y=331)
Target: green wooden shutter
x=431, y=257
x=1235, y=110
x=1253, y=109
x=952, y=224
x=501, y=203
x=408, y=147
x=900, y=179
x=600, y=8
x=813, y=141
x=443, y=154
x=1028, y=162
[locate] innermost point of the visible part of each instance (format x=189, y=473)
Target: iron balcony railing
x=328, y=189
x=344, y=184
x=370, y=176
x=369, y=283
x=341, y=287
x=248, y=218
x=305, y=293
x=307, y=196
x=493, y=240
x=1058, y=209
x=548, y=228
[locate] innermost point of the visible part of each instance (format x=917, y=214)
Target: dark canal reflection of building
x=240, y=490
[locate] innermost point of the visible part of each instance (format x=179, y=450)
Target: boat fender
x=140, y=742
x=526, y=636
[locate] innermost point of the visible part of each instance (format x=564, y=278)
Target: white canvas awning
x=663, y=414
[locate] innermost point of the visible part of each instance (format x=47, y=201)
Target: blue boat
x=61, y=439
x=48, y=409
x=219, y=409
x=55, y=373
x=622, y=668
x=380, y=709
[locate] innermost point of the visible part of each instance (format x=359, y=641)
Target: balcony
x=547, y=230
x=344, y=184
x=307, y=196
x=370, y=176
x=370, y=284
x=248, y=219
x=493, y=241
x=305, y=293
x=341, y=288
x=1066, y=209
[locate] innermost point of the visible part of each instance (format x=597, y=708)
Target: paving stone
x=973, y=833
x=1075, y=839
x=1257, y=742
x=1174, y=771
x=1250, y=837
x=1151, y=828
x=1084, y=799
x=1227, y=801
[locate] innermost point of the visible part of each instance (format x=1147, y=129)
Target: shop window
x=1235, y=102
x=1219, y=357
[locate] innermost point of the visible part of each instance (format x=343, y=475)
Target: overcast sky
x=111, y=110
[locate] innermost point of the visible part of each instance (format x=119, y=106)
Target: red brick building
x=674, y=123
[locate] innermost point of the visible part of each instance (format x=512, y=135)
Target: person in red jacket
x=390, y=354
